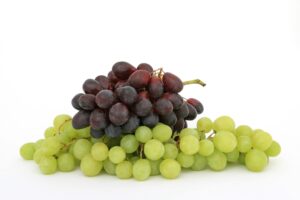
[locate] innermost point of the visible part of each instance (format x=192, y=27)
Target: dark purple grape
x=97, y=133
x=145, y=66
x=103, y=82
x=121, y=83
x=113, y=131
x=123, y=70
x=75, y=101
x=192, y=112
x=163, y=106
x=183, y=111
x=81, y=119
x=150, y=120
x=169, y=119
x=91, y=86
x=131, y=125
x=87, y=102
x=105, y=99
x=172, y=83
x=143, y=107
x=179, y=125
x=98, y=119
x=118, y=114
x=139, y=79
x=175, y=99
x=197, y=105
x=112, y=77
x=127, y=95
x=155, y=87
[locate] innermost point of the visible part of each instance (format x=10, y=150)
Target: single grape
x=103, y=82
x=27, y=151
x=225, y=141
x=81, y=148
x=91, y=86
x=112, y=77
x=98, y=119
x=113, y=131
x=145, y=66
x=99, y=151
x=129, y=143
x=175, y=99
x=81, y=119
x=38, y=155
x=75, y=101
x=50, y=132
x=118, y=114
x=192, y=112
x=155, y=87
x=233, y=156
x=206, y=147
x=97, y=134
x=179, y=125
x=189, y=131
x=171, y=151
x=123, y=70
x=274, y=150
x=48, y=165
x=127, y=95
x=224, y=123
x=143, y=107
x=256, y=160
x=116, y=154
x=143, y=134
x=131, y=125
x=199, y=163
x=196, y=104
x=169, y=119
x=170, y=168
x=204, y=125
x=172, y=83
x=69, y=130
x=244, y=143
x=186, y=161
x=183, y=111
x=105, y=99
x=163, y=106
x=51, y=146
x=155, y=167
x=154, y=149
x=66, y=162
x=243, y=130
x=217, y=160
x=141, y=169
x=261, y=140
x=242, y=158
x=109, y=167
x=124, y=170
x=84, y=132
x=162, y=132
x=189, y=144
x=139, y=79
x=59, y=120
x=87, y=102
x=89, y=166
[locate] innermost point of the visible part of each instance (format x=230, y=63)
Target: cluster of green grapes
x=153, y=151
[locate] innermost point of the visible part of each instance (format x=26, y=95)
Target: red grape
x=98, y=119
x=197, y=105
x=175, y=98
x=155, y=87
x=118, y=114
x=145, y=66
x=139, y=79
x=81, y=119
x=131, y=125
x=163, y=106
x=150, y=120
x=127, y=95
x=123, y=70
x=169, y=119
x=103, y=82
x=143, y=107
x=75, y=101
x=113, y=131
x=91, y=86
x=192, y=112
x=172, y=83
x=87, y=102
x=105, y=99
x=183, y=111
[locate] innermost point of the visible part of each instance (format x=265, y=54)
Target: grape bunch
x=129, y=97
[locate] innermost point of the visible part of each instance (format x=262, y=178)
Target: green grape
x=124, y=170
x=27, y=151
x=189, y=131
x=96, y=140
x=129, y=143
x=242, y=158
x=109, y=167
x=199, y=163
x=204, y=125
x=243, y=130
x=66, y=162
x=154, y=149
x=89, y=166
x=81, y=148
x=38, y=144
x=63, y=138
x=217, y=160
x=256, y=160
x=59, y=120
x=38, y=155
x=51, y=146
x=224, y=123
x=261, y=140
x=171, y=151
x=141, y=169
x=48, y=165
x=274, y=150
x=133, y=159
x=202, y=136
x=186, y=161
x=67, y=128
x=99, y=151
x=50, y=132
x=206, y=147
x=143, y=134
x=155, y=167
x=170, y=168
x=112, y=142
x=189, y=144
x=162, y=132
x=71, y=148
x=116, y=154
x=244, y=143
x=84, y=133
x=233, y=156
x=225, y=141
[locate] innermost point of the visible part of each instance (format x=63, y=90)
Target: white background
x=248, y=52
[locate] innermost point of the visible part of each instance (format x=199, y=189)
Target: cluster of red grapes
x=129, y=97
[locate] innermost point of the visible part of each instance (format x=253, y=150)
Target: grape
x=143, y=134
x=274, y=150
x=172, y=83
x=169, y=119
x=68, y=129
x=143, y=107
x=154, y=149
x=89, y=166
x=113, y=131
x=99, y=151
x=261, y=140
x=91, y=86
x=95, y=134
x=155, y=87
x=87, y=102
x=59, y=120
x=186, y=161
x=256, y=160
x=131, y=125
x=163, y=106
x=162, y=132
x=192, y=112
x=129, y=143
x=84, y=132
x=206, y=147
x=103, y=82
x=75, y=101
x=224, y=123
x=98, y=119
x=127, y=94
x=124, y=170
x=189, y=144
x=243, y=130
x=196, y=104
x=81, y=148
x=150, y=120
x=123, y=70
x=139, y=79
x=155, y=167
x=63, y=138
x=175, y=99
x=217, y=160
x=204, y=125
x=145, y=66
x=27, y=151
x=170, y=168
x=112, y=142
x=112, y=77
x=225, y=141
x=189, y=131
x=244, y=143
x=66, y=162
x=38, y=155
x=51, y=146
x=171, y=151
x=199, y=163
x=105, y=99
x=233, y=156
x=116, y=154
x=183, y=111
x=179, y=125
x=48, y=165
x=118, y=114
x=81, y=119
x=141, y=169
x=109, y=167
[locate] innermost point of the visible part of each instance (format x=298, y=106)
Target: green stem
x=195, y=81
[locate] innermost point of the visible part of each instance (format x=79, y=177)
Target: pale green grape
x=59, y=120
x=38, y=144
x=189, y=144
x=171, y=151
x=202, y=136
x=256, y=160
x=51, y=146
x=109, y=167
x=204, y=125
x=244, y=143
x=129, y=143
x=261, y=140
x=84, y=133
x=67, y=128
x=233, y=156
x=63, y=138
x=217, y=160
x=66, y=162
x=99, y=151
x=96, y=140
x=224, y=123
x=186, y=161
x=38, y=155
x=244, y=130
x=141, y=169
x=162, y=132
x=48, y=165
x=71, y=148
x=206, y=147
x=225, y=141
x=189, y=131
x=133, y=159
x=143, y=134
x=27, y=151
x=170, y=168
x=242, y=158
x=50, y=132
x=199, y=163
x=155, y=167
x=154, y=149
x=124, y=170
x=274, y=149
x=81, y=148
x=89, y=166
x=116, y=154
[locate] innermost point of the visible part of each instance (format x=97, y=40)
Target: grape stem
x=195, y=81
x=141, y=150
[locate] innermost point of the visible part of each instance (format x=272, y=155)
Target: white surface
x=247, y=51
